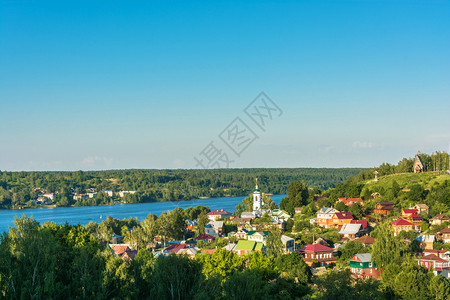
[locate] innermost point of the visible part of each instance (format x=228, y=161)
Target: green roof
x=257, y=190
x=245, y=245
x=248, y=246
x=258, y=246
x=264, y=233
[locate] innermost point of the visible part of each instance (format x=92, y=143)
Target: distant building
x=426, y=241
x=351, y=231
x=217, y=214
x=418, y=164
x=288, y=243
x=257, y=202
x=437, y=264
x=444, y=235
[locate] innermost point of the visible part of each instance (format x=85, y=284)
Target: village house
x=444, y=254
x=218, y=214
x=409, y=211
x=366, y=240
x=364, y=224
x=426, y=241
x=258, y=236
x=123, y=251
x=422, y=208
x=109, y=193
x=383, y=208
x=123, y=193
x=341, y=218
x=437, y=264
x=444, y=235
x=350, y=201
x=245, y=246
x=361, y=266
x=416, y=220
x=50, y=196
x=248, y=215
x=205, y=238
x=215, y=228
x=189, y=251
x=400, y=224
x=351, y=231
x=281, y=214
x=439, y=219
x=325, y=216
x=288, y=243
x=318, y=253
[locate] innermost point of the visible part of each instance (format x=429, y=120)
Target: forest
x=21, y=189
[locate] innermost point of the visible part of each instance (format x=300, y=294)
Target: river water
x=85, y=214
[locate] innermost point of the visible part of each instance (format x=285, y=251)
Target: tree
x=262, y=265
x=176, y=277
x=292, y=265
x=439, y=288
x=386, y=249
x=246, y=285
x=297, y=196
x=340, y=206
x=221, y=262
x=274, y=244
x=202, y=221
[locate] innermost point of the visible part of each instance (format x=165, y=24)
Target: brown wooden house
x=383, y=208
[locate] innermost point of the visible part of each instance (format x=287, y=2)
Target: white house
x=288, y=243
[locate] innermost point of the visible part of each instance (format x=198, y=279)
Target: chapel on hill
x=418, y=164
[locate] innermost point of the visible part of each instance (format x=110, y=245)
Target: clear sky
x=117, y=84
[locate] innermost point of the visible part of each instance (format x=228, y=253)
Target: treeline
x=20, y=188
x=437, y=161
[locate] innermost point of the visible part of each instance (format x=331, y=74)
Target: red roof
x=120, y=249
x=434, y=251
x=205, y=237
x=416, y=217
x=344, y=215
x=410, y=211
x=218, y=212
x=317, y=248
x=401, y=222
x=432, y=257
x=175, y=248
x=362, y=222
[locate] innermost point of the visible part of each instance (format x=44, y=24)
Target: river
x=85, y=214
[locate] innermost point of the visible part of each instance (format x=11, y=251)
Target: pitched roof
x=217, y=212
x=316, y=248
x=386, y=203
x=432, y=257
x=286, y=239
x=208, y=251
x=245, y=245
x=350, y=229
x=445, y=230
x=263, y=233
x=327, y=210
x=362, y=222
x=441, y=217
x=366, y=239
x=416, y=217
x=175, y=248
x=401, y=222
x=428, y=238
x=344, y=215
x=410, y=211
x=131, y=254
x=119, y=249
x=362, y=257
x=422, y=206
x=204, y=236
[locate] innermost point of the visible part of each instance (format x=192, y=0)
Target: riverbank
x=86, y=214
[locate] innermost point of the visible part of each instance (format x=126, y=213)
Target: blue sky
x=149, y=84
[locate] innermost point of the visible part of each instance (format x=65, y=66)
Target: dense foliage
x=20, y=188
